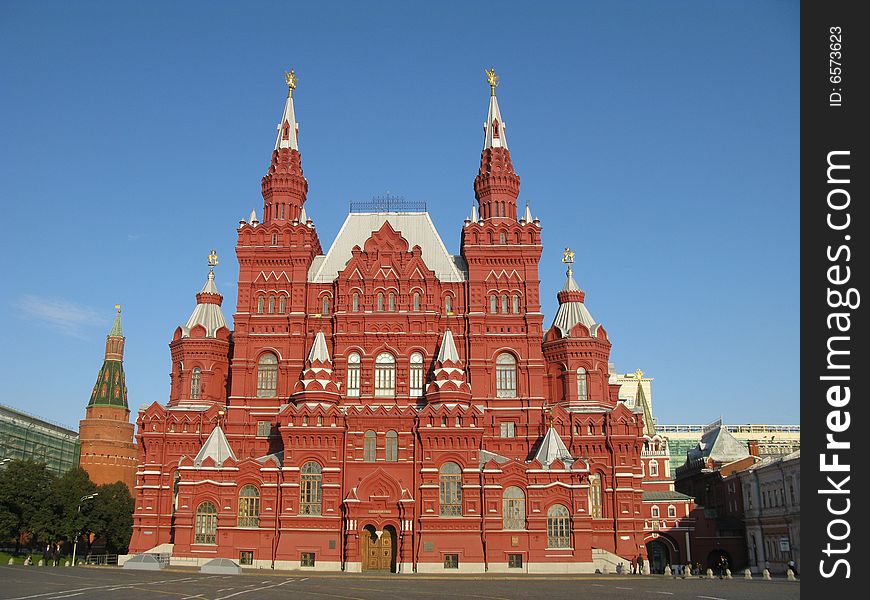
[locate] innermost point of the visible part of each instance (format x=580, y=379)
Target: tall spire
x=208, y=312
x=496, y=186
x=284, y=186
x=111, y=388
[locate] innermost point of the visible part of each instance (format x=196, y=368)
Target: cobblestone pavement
x=80, y=583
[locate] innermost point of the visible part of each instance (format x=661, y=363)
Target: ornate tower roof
x=208, y=305
x=111, y=387
x=553, y=448
x=215, y=447
x=572, y=309
x=284, y=186
x=496, y=186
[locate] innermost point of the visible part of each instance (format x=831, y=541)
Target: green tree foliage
x=25, y=491
x=112, y=516
x=61, y=518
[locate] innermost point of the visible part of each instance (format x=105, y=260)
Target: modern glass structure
x=26, y=437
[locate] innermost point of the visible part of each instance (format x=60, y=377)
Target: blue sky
x=659, y=140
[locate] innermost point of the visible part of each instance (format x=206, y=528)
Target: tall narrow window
x=516, y=305
x=380, y=302
x=450, y=484
x=504, y=304
x=282, y=304
x=385, y=375
x=260, y=303
x=654, y=511
x=249, y=507
x=392, y=301
x=274, y=239
x=672, y=511
x=271, y=305
x=558, y=527
x=267, y=376
x=353, y=364
x=370, y=446
x=195, y=378
x=582, y=392
x=325, y=310
x=514, y=508
x=392, y=446
x=416, y=301
x=506, y=376
x=653, y=468
x=416, y=375
x=448, y=303
x=206, y=524
x=493, y=304
x=595, y=496
x=355, y=302
x=310, y=486
x=502, y=239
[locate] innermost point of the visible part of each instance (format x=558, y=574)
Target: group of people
x=637, y=565
x=52, y=553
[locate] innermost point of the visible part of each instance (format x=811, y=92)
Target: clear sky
x=658, y=139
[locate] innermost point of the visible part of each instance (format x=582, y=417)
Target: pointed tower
x=448, y=378
x=496, y=186
x=284, y=186
x=318, y=381
x=201, y=348
x=107, y=450
x=578, y=350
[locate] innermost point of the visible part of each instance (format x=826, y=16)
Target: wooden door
x=377, y=553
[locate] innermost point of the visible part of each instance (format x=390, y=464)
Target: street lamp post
x=76, y=541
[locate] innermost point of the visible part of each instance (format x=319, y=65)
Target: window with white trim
x=353, y=368
x=506, y=376
x=385, y=375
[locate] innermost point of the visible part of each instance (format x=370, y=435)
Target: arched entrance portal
x=659, y=556
x=379, y=549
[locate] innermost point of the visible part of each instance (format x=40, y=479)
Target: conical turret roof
x=111, y=386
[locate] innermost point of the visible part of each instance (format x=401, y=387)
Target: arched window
x=493, y=304
x=275, y=239
x=514, y=508
x=416, y=301
x=416, y=375
x=271, y=305
x=311, y=484
x=392, y=446
x=450, y=483
x=653, y=468
x=355, y=302
x=558, y=527
x=506, y=376
x=353, y=364
x=582, y=391
x=325, y=310
x=504, y=304
x=249, y=507
x=516, y=305
x=448, y=303
x=385, y=375
x=595, y=496
x=370, y=446
x=380, y=302
x=282, y=304
x=654, y=511
x=267, y=376
x=195, y=380
x=502, y=239
x=205, y=531
x=392, y=302
x=672, y=511
x=260, y=303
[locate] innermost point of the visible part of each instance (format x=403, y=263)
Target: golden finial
x=492, y=79
x=118, y=308
x=568, y=256
x=638, y=374
x=212, y=259
x=290, y=78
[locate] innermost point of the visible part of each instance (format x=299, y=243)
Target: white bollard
x=709, y=573
x=747, y=574
x=728, y=574
x=765, y=574
x=668, y=572
x=11, y=561
x=41, y=562
x=790, y=575
x=66, y=564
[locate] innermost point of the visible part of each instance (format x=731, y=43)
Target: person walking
x=639, y=564
x=790, y=566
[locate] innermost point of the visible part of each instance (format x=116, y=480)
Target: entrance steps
x=606, y=561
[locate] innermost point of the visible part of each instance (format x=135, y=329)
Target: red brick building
x=386, y=405
x=106, y=434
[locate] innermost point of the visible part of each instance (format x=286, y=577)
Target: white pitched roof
x=318, y=349
x=217, y=447
x=490, y=140
x=208, y=315
x=289, y=117
x=571, y=313
x=448, y=348
x=552, y=447
x=416, y=227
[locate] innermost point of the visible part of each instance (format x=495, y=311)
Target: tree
x=112, y=516
x=25, y=489
x=61, y=518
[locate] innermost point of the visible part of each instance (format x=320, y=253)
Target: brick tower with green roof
x=107, y=450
